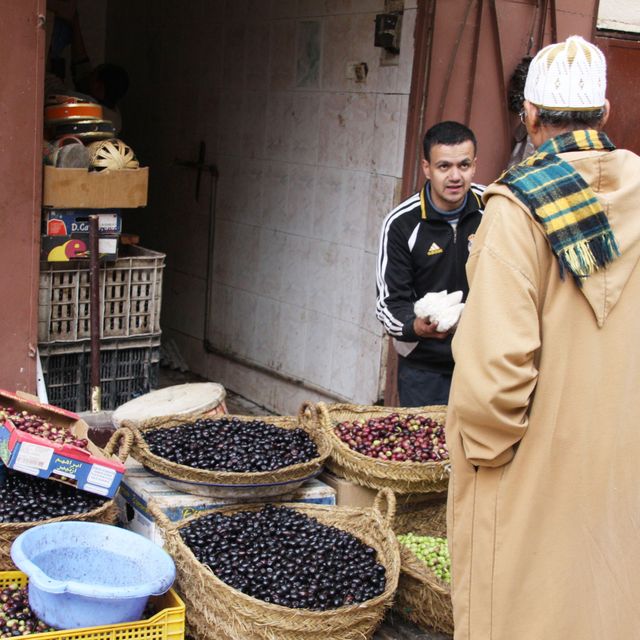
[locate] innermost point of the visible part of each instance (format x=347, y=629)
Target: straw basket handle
x=166, y=526
x=323, y=416
x=389, y=499
x=120, y=443
x=306, y=413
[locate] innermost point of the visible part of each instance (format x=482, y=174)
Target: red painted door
x=22, y=43
x=623, y=64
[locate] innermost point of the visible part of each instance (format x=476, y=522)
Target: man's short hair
x=571, y=119
x=448, y=133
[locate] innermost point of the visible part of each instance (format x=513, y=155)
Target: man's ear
x=532, y=118
x=426, y=169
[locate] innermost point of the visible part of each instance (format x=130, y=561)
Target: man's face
x=450, y=170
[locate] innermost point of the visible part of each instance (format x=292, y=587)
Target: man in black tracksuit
x=424, y=245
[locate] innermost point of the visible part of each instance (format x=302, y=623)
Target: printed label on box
x=64, y=222
x=94, y=488
x=101, y=476
x=33, y=456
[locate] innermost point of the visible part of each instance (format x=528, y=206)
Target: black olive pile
x=229, y=444
x=282, y=556
x=16, y=617
x=25, y=498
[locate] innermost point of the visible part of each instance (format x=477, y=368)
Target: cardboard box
x=76, y=247
x=139, y=486
x=66, y=222
x=349, y=494
x=82, y=189
x=89, y=470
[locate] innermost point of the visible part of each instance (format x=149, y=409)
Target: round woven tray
x=216, y=610
x=306, y=419
x=401, y=477
x=422, y=597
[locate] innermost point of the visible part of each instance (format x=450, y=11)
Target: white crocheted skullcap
x=569, y=75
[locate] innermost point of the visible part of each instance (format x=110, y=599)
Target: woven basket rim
x=385, y=466
x=141, y=451
x=310, y=509
x=4, y=526
x=419, y=570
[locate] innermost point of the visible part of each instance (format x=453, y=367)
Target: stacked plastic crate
x=130, y=299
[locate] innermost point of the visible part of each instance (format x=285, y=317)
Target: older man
x=544, y=416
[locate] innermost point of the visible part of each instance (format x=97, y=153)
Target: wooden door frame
x=23, y=43
x=423, y=35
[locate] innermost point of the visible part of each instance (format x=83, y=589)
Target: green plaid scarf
x=564, y=204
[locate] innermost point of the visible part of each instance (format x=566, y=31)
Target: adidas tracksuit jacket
x=421, y=252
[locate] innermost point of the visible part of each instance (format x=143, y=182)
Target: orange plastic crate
x=167, y=624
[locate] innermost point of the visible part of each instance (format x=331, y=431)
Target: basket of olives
x=27, y=501
x=286, y=571
x=403, y=449
x=424, y=587
x=234, y=456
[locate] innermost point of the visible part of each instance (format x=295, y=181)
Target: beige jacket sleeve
x=495, y=345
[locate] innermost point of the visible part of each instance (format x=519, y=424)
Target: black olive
x=281, y=555
x=229, y=444
x=25, y=498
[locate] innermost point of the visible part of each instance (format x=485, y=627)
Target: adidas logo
x=434, y=249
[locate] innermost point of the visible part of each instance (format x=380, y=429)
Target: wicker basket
x=216, y=610
x=305, y=419
x=401, y=477
x=119, y=443
x=422, y=597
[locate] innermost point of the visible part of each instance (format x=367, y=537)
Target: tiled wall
x=309, y=163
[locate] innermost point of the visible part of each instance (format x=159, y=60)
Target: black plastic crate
x=129, y=367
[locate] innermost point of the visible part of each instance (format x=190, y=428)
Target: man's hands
x=426, y=329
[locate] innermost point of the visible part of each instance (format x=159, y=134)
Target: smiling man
x=424, y=245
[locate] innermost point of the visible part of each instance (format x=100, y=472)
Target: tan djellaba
x=544, y=428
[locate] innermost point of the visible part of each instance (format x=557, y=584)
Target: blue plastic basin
x=85, y=574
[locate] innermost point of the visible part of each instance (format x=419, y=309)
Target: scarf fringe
x=585, y=257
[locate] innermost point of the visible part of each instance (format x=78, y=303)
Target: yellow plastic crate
x=167, y=624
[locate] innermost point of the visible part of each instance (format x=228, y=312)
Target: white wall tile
x=299, y=208
x=266, y=330
x=280, y=124
x=347, y=292
x=282, y=55
x=269, y=265
x=328, y=210
x=367, y=368
x=388, y=141
x=333, y=130
x=305, y=132
x=294, y=282
x=344, y=358
x=275, y=189
x=382, y=199
x=322, y=273
x=318, y=349
x=186, y=312
x=353, y=223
